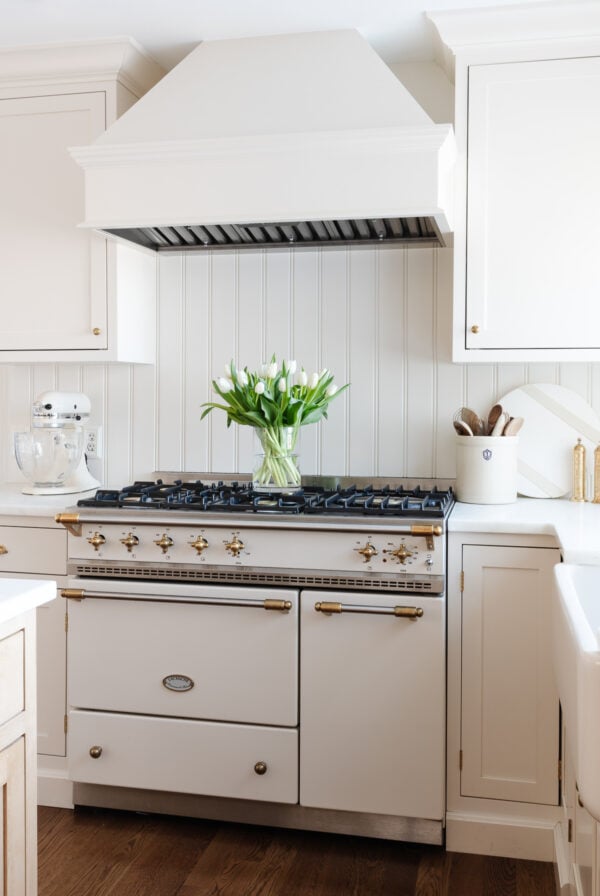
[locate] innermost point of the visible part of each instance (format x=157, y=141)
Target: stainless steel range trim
x=178, y=572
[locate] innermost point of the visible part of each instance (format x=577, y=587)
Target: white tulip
x=324, y=372
x=282, y=384
x=302, y=378
x=313, y=381
x=331, y=390
x=227, y=369
x=264, y=368
x=242, y=377
x=291, y=367
x=259, y=388
x=272, y=370
x=224, y=385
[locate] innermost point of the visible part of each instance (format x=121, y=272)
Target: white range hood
x=295, y=138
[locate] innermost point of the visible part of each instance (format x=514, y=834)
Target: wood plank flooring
x=99, y=852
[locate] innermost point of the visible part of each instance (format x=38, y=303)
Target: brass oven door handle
x=331, y=607
x=269, y=603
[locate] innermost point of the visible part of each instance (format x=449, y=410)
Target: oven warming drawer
x=184, y=756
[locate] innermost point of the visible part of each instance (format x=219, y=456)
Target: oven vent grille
x=258, y=577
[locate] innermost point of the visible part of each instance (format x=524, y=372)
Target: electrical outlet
x=92, y=446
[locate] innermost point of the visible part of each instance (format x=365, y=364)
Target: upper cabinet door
x=532, y=224
x=53, y=288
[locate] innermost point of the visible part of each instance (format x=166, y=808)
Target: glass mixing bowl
x=47, y=457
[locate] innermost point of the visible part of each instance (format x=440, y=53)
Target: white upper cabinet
x=526, y=284
x=66, y=293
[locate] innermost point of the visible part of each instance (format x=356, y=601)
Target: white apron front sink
x=576, y=654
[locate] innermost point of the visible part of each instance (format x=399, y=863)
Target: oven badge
x=486, y=454
x=178, y=683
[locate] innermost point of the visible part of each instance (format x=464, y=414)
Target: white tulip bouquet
x=276, y=401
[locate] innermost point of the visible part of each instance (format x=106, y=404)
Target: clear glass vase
x=276, y=462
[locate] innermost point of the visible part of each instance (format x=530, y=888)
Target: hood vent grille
x=421, y=231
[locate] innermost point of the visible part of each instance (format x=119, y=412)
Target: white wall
x=378, y=318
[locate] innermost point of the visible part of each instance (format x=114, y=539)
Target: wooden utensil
x=499, y=425
x=472, y=420
x=462, y=428
x=513, y=426
x=492, y=419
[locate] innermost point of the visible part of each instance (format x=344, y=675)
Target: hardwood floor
x=98, y=852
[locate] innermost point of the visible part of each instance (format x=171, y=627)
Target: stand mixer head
x=51, y=454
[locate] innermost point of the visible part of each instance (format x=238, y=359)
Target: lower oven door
x=373, y=703
x=188, y=651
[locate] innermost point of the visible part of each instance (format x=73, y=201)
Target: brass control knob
x=367, y=552
x=234, y=546
x=260, y=768
x=400, y=553
x=164, y=543
x=96, y=752
x=96, y=540
x=130, y=541
x=200, y=544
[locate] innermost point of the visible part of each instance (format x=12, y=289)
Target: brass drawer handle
x=3, y=549
x=330, y=607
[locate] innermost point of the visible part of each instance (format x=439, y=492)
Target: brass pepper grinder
x=596, y=476
x=578, y=472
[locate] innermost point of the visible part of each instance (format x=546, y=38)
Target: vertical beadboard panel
x=171, y=363
x=224, y=302
x=390, y=301
x=94, y=385
x=19, y=396
x=198, y=373
x=481, y=387
x=419, y=348
x=577, y=377
x=543, y=373
x=362, y=350
x=450, y=379
x=250, y=336
x=306, y=340
x=509, y=377
x=144, y=421
x=118, y=434
x=334, y=324
x=279, y=267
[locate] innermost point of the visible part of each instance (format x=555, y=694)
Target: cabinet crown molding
x=119, y=59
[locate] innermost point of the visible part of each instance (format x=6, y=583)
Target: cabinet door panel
x=13, y=840
x=52, y=273
x=532, y=222
x=510, y=721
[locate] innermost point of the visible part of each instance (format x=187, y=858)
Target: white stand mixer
x=51, y=454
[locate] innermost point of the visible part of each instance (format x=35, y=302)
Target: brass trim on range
x=270, y=603
x=428, y=532
x=330, y=607
x=72, y=593
x=70, y=521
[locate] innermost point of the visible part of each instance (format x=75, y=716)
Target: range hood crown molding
x=279, y=153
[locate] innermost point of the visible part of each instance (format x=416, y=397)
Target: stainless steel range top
x=382, y=537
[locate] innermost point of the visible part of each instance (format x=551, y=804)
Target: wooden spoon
x=513, y=426
x=472, y=420
x=492, y=419
x=499, y=425
x=462, y=428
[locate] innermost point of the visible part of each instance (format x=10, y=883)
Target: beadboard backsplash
x=379, y=318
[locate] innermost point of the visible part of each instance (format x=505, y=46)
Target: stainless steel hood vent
x=416, y=231
x=302, y=139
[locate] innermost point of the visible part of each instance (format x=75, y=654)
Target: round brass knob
x=96, y=540
x=367, y=552
x=475, y=329
x=164, y=543
x=260, y=768
x=3, y=549
x=234, y=546
x=96, y=331
x=96, y=752
x=130, y=541
x=200, y=544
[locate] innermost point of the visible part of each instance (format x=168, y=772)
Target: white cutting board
x=555, y=418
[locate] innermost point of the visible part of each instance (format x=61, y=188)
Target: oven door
x=189, y=651
x=373, y=703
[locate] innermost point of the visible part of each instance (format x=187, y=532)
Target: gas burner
x=219, y=497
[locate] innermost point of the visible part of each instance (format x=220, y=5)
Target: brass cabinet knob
x=96, y=331
x=200, y=544
x=234, y=546
x=96, y=540
x=164, y=543
x=475, y=329
x=367, y=552
x=130, y=541
x=96, y=752
x=260, y=768
x=3, y=549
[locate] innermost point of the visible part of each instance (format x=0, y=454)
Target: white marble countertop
x=20, y=595
x=576, y=526
x=14, y=503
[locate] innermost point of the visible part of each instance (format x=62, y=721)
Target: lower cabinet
x=503, y=709
x=579, y=834
x=13, y=796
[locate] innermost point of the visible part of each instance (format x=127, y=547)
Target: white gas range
x=327, y=711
